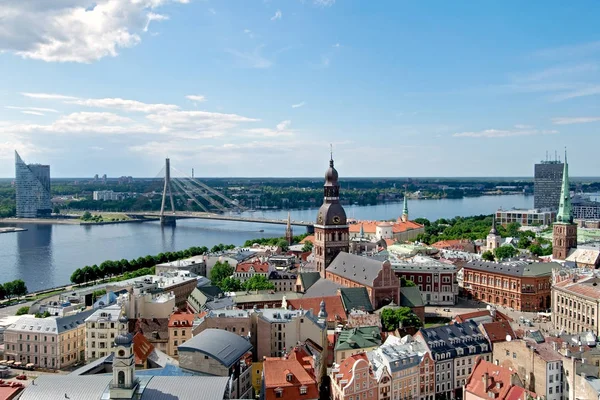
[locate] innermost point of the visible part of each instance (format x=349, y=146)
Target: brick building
x=377, y=277
x=521, y=285
x=289, y=377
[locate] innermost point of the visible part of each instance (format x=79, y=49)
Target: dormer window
x=279, y=393
x=288, y=377
x=303, y=390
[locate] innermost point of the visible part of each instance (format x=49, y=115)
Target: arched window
x=121, y=378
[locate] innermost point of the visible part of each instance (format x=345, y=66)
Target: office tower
x=547, y=184
x=32, y=186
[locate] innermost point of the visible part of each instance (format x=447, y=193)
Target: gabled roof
x=370, y=227
x=142, y=348
x=358, y=338
x=210, y=291
x=181, y=319
x=221, y=345
x=498, y=380
x=257, y=265
x=154, y=329
x=308, y=279
x=411, y=297
x=276, y=370
x=346, y=367
x=356, y=299
x=361, y=270
x=333, y=306
x=498, y=331
x=322, y=288
x=448, y=339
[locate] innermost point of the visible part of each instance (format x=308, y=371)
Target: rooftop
x=514, y=268
x=223, y=346
x=256, y=266
x=498, y=331
x=110, y=313
x=370, y=227
x=333, y=306
x=358, y=269
x=587, y=287
x=358, y=338
x=491, y=381
x=288, y=372
x=450, y=340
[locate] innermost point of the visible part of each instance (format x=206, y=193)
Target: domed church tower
x=124, y=384
x=331, y=230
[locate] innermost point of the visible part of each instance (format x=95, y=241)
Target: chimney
x=555, y=346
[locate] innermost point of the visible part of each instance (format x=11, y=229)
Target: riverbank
x=12, y=229
x=65, y=221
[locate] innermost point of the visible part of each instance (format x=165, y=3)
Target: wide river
x=44, y=256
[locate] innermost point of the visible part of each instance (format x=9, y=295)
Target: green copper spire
x=405, y=209
x=565, y=210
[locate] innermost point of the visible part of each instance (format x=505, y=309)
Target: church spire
x=493, y=231
x=565, y=211
x=405, y=208
x=289, y=233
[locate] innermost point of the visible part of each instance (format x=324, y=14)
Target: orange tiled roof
x=498, y=331
x=496, y=375
x=309, y=238
x=333, y=306
x=256, y=264
x=181, y=319
x=346, y=367
x=451, y=244
x=142, y=348
x=370, y=227
x=276, y=370
x=583, y=287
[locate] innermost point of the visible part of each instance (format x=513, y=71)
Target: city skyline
x=231, y=90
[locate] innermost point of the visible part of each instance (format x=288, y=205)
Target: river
x=45, y=255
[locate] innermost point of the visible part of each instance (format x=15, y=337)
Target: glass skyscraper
x=32, y=186
x=547, y=183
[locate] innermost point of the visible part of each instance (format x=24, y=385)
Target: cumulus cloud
x=499, y=133
x=75, y=30
x=574, y=120
x=281, y=129
x=277, y=15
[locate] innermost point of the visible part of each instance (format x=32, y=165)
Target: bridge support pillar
x=166, y=220
x=310, y=229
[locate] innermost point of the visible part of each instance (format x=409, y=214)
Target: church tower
x=331, y=230
x=405, y=209
x=124, y=385
x=493, y=239
x=289, y=233
x=564, y=231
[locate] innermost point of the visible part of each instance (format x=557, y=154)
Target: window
x=288, y=377
x=279, y=393
x=514, y=355
x=303, y=390
x=175, y=333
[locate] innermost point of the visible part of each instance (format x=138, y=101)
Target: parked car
x=21, y=377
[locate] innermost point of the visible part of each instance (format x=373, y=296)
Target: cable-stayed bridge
x=202, y=202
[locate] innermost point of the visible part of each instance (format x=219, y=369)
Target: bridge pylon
x=166, y=219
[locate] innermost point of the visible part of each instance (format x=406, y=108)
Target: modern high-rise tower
x=547, y=182
x=32, y=186
x=331, y=230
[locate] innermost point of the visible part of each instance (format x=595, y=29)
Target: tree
x=86, y=216
x=406, y=282
x=56, y=210
x=487, y=256
x=19, y=288
x=258, y=282
x=504, y=252
x=22, y=311
x=230, y=284
x=536, y=250
x=391, y=319
x=308, y=246
x=45, y=314
x=283, y=244
x=422, y=221
x=512, y=229
x=219, y=272
x=2, y=292
x=524, y=242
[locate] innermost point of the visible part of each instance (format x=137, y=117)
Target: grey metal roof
x=322, y=288
x=53, y=387
x=355, y=268
x=309, y=278
x=225, y=347
x=186, y=387
x=450, y=338
x=72, y=321
x=517, y=268
x=411, y=297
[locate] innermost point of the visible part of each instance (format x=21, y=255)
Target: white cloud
x=123, y=104
x=574, y=120
x=212, y=11
x=281, y=130
x=48, y=96
x=499, y=133
x=277, y=15
x=9, y=143
x=283, y=125
x=75, y=30
x=38, y=109
x=196, y=98
x=522, y=126
x=154, y=17
x=337, y=45
x=301, y=104
x=324, y=3
x=252, y=59
x=33, y=113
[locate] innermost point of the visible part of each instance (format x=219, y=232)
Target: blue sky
x=261, y=88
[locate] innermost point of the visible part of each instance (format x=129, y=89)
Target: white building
x=143, y=304
x=106, y=195
x=101, y=329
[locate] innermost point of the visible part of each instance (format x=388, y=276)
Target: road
x=12, y=310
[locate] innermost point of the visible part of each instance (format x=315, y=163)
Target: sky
x=262, y=88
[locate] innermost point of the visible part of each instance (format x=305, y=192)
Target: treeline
x=133, y=267
x=221, y=275
x=16, y=288
x=473, y=228
x=276, y=241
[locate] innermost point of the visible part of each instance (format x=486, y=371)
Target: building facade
x=32, y=189
x=548, y=176
x=101, y=329
x=353, y=379
x=180, y=330
x=289, y=377
x=585, y=209
x=520, y=285
x=331, y=230
x=575, y=303
x=533, y=217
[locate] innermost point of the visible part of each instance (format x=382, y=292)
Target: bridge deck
x=221, y=217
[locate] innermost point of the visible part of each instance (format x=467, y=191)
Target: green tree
x=423, y=221
x=391, y=319
x=283, y=244
x=230, y=284
x=308, y=246
x=45, y=314
x=22, y=311
x=19, y=288
x=536, y=250
x=56, y=210
x=524, y=242
x=512, y=229
x=86, y=216
x=2, y=292
x=487, y=256
x=504, y=252
x=258, y=282
x=406, y=282
x=219, y=272
x=9, y=289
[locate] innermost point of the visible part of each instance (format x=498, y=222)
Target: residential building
x=201, y=295
x=455, y=244
x=520, y=285
x=454, y=349
x=533, y=217
x=261, y=299
x=585, y=209
x=377, y=277
x=537, y=362
x=195, y=265
x=548, y=176
x=101, y=329
x=145, y=304
x=156, y=330
x=283, y=281
x=436, y=280
x=107, y=195
x=404, y=369
x=356, y=340
x=481, y=317
x=32, y=188
x=489, y=381
x=331, y=229
x=246, y=270
x=220, y=353
x=180, y=330
x=564, y=231
x=585, y=256
x=575, y=302
x=234, y=321
x=399, y=230
x=499, y=331
x=353, y=379
x=53, y=343
x=289, y=377
x=336, y=314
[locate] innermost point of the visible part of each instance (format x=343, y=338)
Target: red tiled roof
x=483, y=313
x=309, y=238
x=180, y=319
x=10, y=392
x=347, y=366
x=518, y=393
x=275, y=371
x=498, y=331
x=370, y=227
x=256, y=264
x=498, y=382
x=333, y=306
x=142, y=348
x=451, y=244
x=583, y=287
